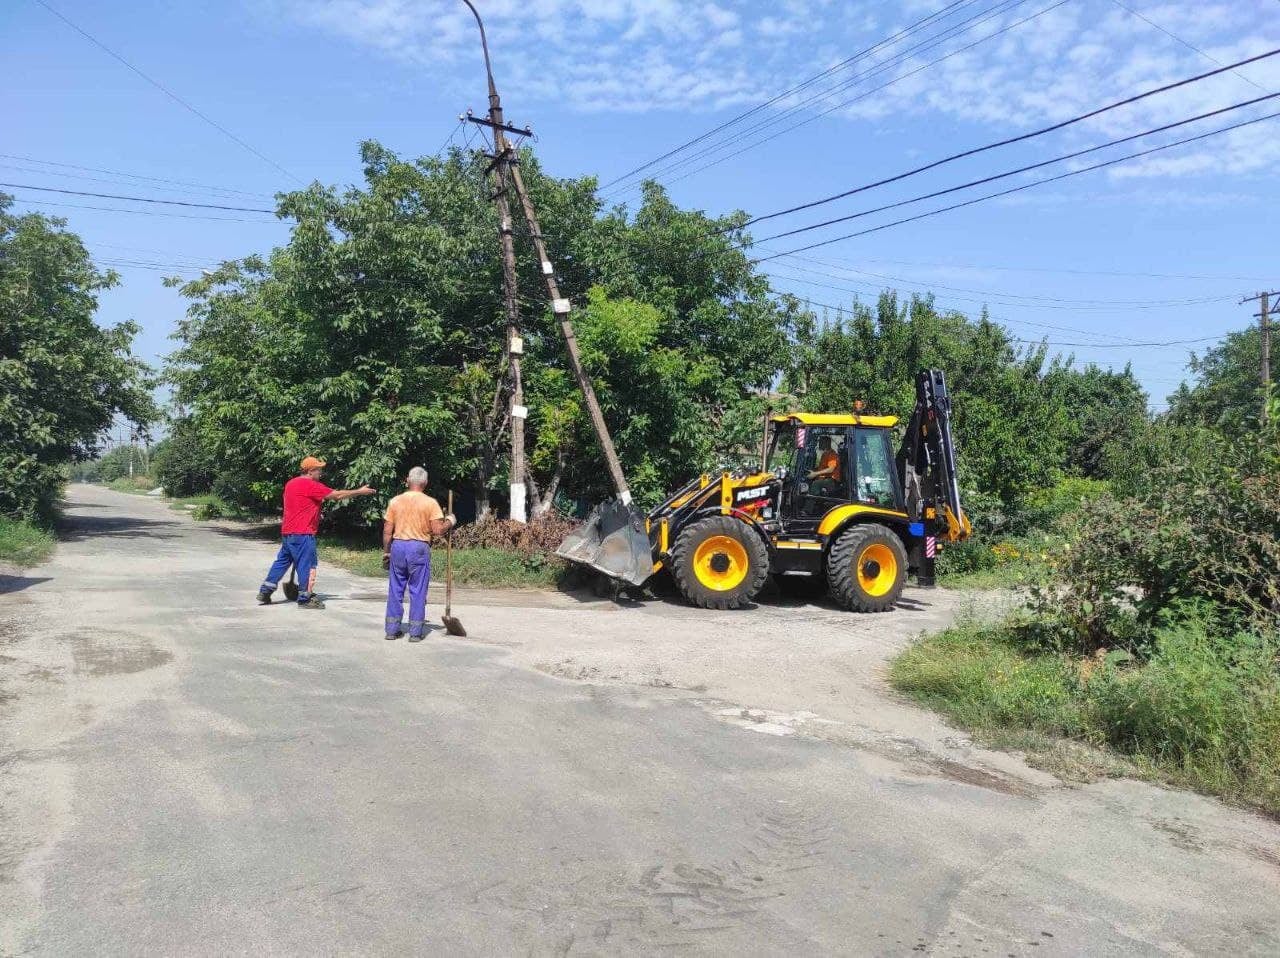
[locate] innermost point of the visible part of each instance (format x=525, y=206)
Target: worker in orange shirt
x=826, y=479
x=412, y=518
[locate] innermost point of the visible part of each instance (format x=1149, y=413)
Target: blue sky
x=1154, y=250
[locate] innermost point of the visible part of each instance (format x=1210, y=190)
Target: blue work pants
x=411, y=568
x=298, y=551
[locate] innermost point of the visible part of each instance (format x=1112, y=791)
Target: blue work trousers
x=411, y=568
x=298, y=551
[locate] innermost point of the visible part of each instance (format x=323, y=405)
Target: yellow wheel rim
x=721, y=563
x=877, y=569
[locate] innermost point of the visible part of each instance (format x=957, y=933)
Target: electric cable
x=1010, y=140
x=883, y=67
x=1190, y=46
x=1026, y=186
x=167, y=92
x=906, y=31
x=136, y=199
x=1022, y=169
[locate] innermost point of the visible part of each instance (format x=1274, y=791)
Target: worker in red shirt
x=302, y=497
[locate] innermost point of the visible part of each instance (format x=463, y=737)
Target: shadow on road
x=16, y=583
x=76, y=528
x=266, y=532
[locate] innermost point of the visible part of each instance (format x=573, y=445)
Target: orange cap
x=311, y=462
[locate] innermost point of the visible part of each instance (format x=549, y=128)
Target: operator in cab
x=827, y=477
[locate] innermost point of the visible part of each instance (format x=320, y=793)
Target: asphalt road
x=183, y=772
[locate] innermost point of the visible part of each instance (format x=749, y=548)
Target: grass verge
x=1202, y=711
x=23, y=543
x=488, y=568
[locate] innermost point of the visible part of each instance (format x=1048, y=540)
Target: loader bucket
x=613, y=541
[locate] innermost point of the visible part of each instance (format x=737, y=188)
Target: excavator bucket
x=613, y=541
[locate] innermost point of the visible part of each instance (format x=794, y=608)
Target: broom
x=451, y=625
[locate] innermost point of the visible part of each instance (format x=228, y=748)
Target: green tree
x=376, y=336
x=63, y=378
x=182, y=463
x=1227, y=392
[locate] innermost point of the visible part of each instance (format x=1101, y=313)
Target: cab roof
x=834, y=419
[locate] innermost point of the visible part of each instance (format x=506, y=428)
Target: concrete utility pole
x=506, y=171
x=499, y=172
x=561, y=307
x=1264, y=327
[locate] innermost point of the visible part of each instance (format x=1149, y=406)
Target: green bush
x=1196, y=528
x=24, y=543
x=1202, y=709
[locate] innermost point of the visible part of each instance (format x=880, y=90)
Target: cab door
x=820, y=477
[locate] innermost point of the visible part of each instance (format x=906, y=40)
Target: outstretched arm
x=337, y=495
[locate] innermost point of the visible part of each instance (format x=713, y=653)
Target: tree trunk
x=480, y=490
x=542, y=504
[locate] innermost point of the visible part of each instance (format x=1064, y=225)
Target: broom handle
x=448, y=562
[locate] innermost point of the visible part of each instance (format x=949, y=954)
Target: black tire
x=878, y=588
x=746, y=566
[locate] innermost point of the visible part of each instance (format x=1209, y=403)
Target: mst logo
x=750, y=499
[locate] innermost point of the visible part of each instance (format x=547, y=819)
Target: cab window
x=873, y=464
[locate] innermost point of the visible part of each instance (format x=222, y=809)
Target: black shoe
x=416, y=638
x=311, y=603
x=395, y=635
x=264, y=598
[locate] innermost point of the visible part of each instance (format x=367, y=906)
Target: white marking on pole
x=518, y=512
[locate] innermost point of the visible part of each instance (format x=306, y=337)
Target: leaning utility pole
x=506, y=171
x=499, y=174
x=1264, y=327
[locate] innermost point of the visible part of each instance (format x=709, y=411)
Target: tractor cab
x=824, y=462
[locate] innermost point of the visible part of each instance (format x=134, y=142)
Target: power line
x=1039, y=269
x=1041, y=342
x=1022, y=169
x=1015, y=139
x=1147, y=20
x=134, y=176
x=116, y=209
x=135, y=199
x=1047, y=302
x=1025, y=186
x=898, y=60
x=788, y=92
x=167, y=92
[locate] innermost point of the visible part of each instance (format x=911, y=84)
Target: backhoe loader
x=830, y=501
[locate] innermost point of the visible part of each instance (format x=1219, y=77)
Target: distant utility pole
x=506, y=173
x=1264, y=327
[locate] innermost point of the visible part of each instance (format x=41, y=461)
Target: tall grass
x=1202, y=710
x=23, y=543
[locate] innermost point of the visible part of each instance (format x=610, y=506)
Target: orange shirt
x=410, y=515
x=829, y=459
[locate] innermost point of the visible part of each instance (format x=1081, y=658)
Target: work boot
x=416, y=638
x=311, y=603
x=264, y=598
x=395, y=635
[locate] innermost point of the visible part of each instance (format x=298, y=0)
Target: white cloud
x=706, y=55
